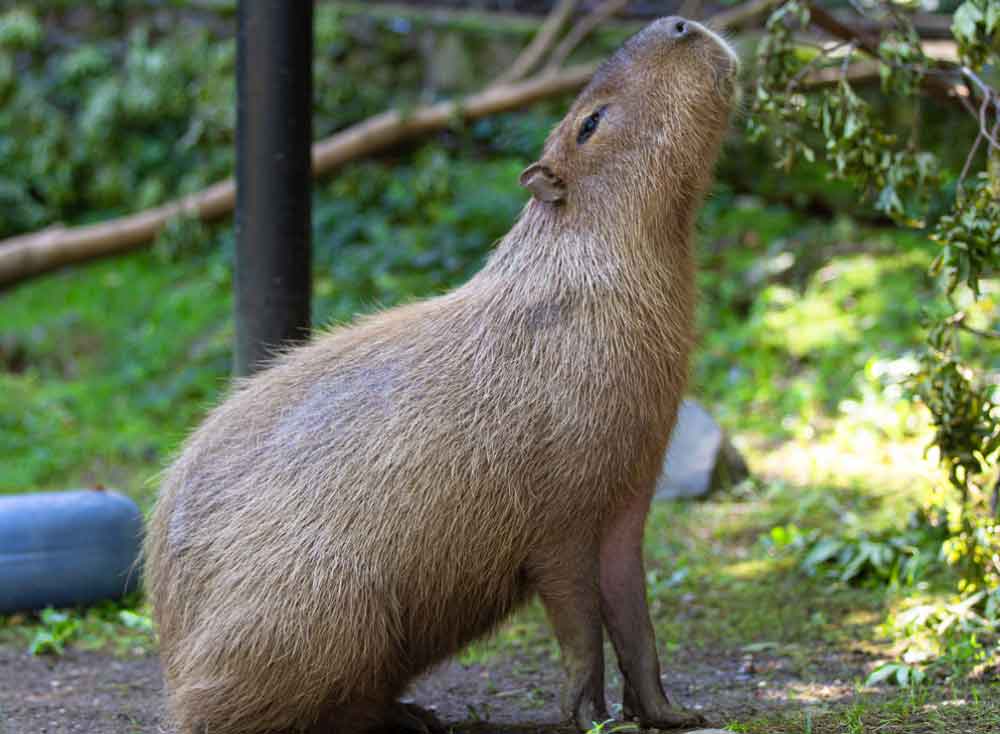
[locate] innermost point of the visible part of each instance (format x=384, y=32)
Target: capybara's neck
x=636, y=276
x=606, y=310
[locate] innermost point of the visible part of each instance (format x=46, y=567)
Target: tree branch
x=535, y=51
x=33, y=254
x=990, y=99
x=958, y=320
x=869, y=43
x=41, y=252
x=583, y=29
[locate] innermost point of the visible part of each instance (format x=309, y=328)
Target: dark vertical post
x=273, y=208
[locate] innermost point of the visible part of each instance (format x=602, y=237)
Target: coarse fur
x=386, y=494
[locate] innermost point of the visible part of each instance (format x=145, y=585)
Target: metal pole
x=273, y=207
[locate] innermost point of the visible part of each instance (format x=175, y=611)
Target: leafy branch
x=906, y=182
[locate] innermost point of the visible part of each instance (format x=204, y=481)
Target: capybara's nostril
x=679, y=28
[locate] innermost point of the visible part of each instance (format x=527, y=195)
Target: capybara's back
x=382, y=496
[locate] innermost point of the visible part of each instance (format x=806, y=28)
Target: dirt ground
x=92, y=693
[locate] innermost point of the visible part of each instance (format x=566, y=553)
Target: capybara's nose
x=677, y=27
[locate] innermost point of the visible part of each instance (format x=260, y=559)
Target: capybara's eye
x=589, y=126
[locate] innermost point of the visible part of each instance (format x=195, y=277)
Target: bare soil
x=95, y=693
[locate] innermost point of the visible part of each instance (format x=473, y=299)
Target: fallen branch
x=41, y=252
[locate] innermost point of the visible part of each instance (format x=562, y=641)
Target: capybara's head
x=651, y=119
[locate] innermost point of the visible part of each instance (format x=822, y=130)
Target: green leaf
x=135, y=621
x=760, y=646
x=882, y=673
x=823, y=551
x=45, y=643
x=964, y=22
x=852, y=126
x=993, y=17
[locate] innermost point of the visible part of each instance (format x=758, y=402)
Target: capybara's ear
x=543, y=183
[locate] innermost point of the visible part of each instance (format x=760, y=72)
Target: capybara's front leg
x=567, y=585
x=626, y=615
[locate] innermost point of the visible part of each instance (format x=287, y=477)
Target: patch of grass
x=121, y=628
x=959, y=711
x=735, y=590
x=132, y=350
x=802, y=322
x=526, y=637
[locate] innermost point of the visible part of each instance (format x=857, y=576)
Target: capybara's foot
x=589, y=714
x=673, y=717
x=409, y=718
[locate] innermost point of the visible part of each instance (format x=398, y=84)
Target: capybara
x=391, y=491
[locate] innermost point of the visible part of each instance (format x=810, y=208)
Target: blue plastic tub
x=67, y=548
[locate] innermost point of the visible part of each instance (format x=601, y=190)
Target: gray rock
x=700, y=459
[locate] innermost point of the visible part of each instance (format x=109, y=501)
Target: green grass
x=106, y=368
x=123, y=628
x=970, y=709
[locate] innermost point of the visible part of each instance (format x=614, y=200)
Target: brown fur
x=384, y=495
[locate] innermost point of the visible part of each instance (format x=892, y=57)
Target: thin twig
x=583, y=29
x=989, y=99
x=826, y=21
x=982, y=118
x=822, y=47
x=966, y=103
x=535, y=51
x=825, y=53
x=968, y=163
x=847, y=60
x=859, y=71
x=957, y=320
x=984, y=333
